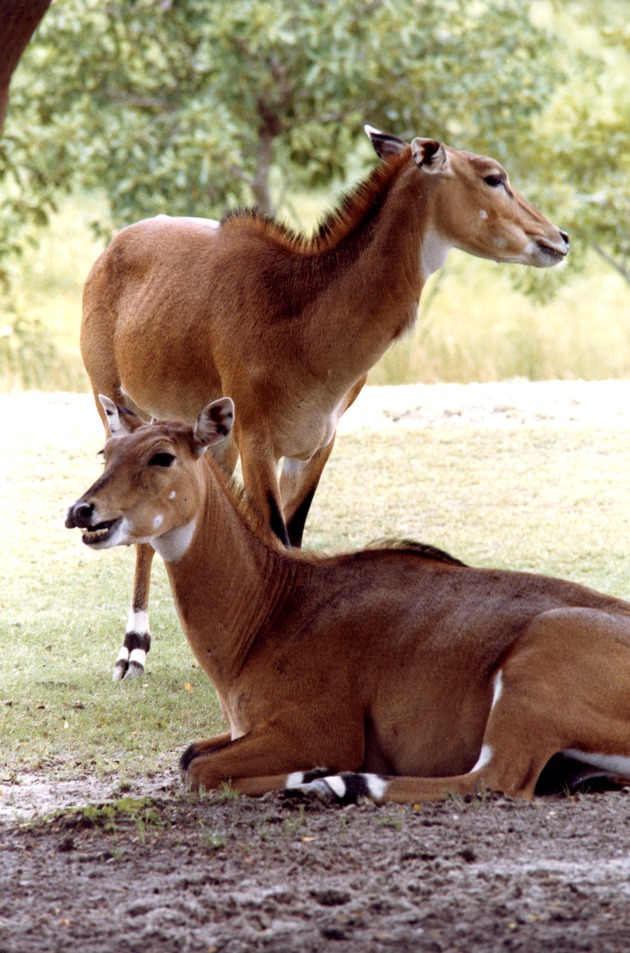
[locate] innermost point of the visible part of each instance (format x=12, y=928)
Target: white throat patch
x=173, y=546
x=433, y=252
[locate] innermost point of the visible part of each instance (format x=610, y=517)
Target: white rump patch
x=615, y=764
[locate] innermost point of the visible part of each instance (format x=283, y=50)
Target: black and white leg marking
x=346, y=788
x=132, y=657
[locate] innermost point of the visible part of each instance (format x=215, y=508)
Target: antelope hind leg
x=564, y=689
x=298, y=482
x=299, y=479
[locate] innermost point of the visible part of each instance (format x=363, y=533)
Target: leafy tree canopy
x=190, y=106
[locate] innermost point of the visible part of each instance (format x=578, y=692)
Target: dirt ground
x=152, y=869
x=173, y=873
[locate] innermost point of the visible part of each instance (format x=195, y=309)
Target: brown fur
x=386, y=660
x=176, y=312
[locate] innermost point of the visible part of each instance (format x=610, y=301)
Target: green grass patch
x=547, y=498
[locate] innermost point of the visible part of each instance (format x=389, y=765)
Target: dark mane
x=356, y=209
x=244, y=507
x=260, y=528
x=412, y=548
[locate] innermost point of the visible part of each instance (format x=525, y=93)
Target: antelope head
x=149, y=490
x=473, y=207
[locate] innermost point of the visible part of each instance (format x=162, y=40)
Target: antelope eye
x=494, y=181
x=161, y=460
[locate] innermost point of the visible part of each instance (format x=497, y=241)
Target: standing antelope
x=179, y=310
x=425, y=676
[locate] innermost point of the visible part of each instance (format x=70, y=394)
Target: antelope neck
x=376, y=291
x=226, y=585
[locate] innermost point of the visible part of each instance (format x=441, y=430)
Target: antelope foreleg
x=133, y=653
x=254, y=764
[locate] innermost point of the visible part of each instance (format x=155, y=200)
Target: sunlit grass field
x=472, y=324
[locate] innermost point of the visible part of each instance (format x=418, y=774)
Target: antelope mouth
x=101, y=533
x=552, y=253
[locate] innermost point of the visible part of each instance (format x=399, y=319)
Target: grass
x=551, y=499
x=472, y=324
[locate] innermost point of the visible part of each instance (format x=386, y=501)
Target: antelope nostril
x=564, y=236
x=79, y=515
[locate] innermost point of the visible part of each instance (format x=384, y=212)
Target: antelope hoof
x=125, y=670
x=342, y=789
x=134, y=670
x=120, y=670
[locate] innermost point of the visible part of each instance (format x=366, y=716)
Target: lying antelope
x=178, y=310
x=395, y=673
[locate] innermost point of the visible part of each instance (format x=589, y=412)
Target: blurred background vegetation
x=121, y=110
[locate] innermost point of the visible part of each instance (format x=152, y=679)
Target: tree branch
x=619, y=268
x=18, y=21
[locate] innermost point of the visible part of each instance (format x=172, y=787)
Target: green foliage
x=188, y=107
x=582, y=151
x=27, y=352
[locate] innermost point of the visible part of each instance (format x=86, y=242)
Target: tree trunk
x=260, y=184
x=18, y=21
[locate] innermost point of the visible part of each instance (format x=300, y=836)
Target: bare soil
x=173, y=873
x=86, y=867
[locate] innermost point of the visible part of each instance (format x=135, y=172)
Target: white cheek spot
x=158, y=520
x=483, y=213
x=172, y=495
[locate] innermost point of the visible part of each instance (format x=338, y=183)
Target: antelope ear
x=119, y=420
x=429, y=155
x=384, y=144
x=214, y=424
